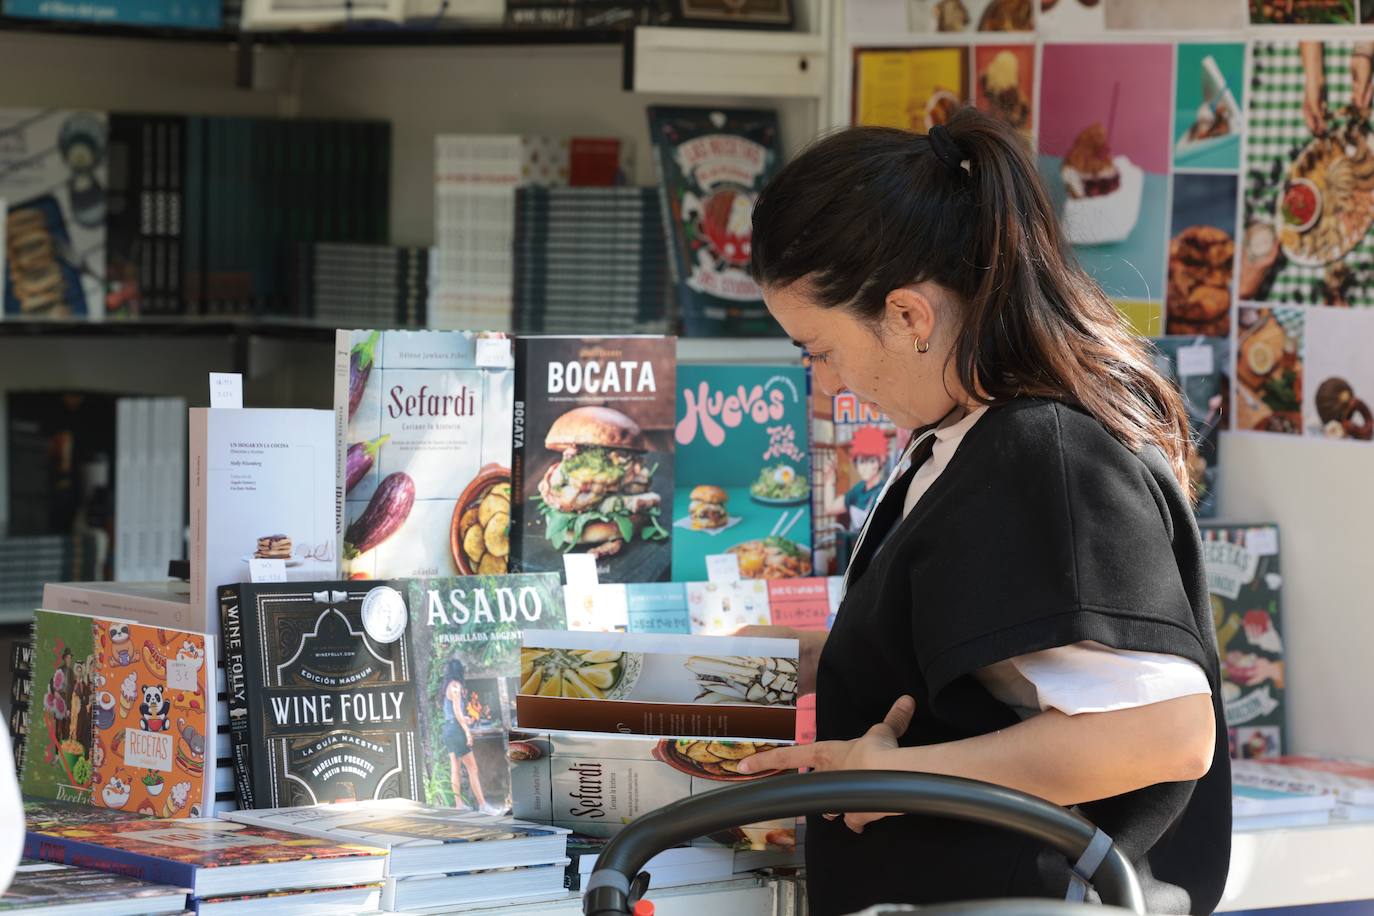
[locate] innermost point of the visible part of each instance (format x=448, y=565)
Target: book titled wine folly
x=424, y=433
x=593, y=454
x=321, y=692
x=712, y=164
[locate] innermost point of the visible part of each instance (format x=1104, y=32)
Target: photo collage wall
x=1219, y=187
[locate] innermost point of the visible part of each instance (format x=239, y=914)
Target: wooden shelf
x=728, y=62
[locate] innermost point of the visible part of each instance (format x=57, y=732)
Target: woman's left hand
x=871, y=752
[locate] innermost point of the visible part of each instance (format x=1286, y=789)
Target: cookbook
x=38, y=886
x=635, y=683
x=712, y=164
x=743, y=470
x=465, y=637
x=424, y=445
x=322, y=698
x=593, y=454
x=1197, y=366
x=658, y=607
x=121, y=715
x=262, y=487
x=721, y=608
x=1244, y=578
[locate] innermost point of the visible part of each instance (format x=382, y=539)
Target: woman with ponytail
x=1027, y=604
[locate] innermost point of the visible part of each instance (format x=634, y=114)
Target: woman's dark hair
x=868, y=210
x=454, y=671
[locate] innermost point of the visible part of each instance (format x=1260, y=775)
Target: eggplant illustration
x=359, y=368
x=383, y=517
x=360, y=458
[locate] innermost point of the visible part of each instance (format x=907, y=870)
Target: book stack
x=1350, y=783
x=20, y=657
x=1254, y=808
x=676, y=867
x=28, y=562
x=437, y=857
x=360, y=285
x=46, y=887
x=589, y=260
x=150, y=490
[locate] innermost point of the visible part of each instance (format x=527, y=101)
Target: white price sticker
x=722, y=568
x=1262, y=542
x=493, y=352
x=181, y=674
x=263, y=570
x=1196, y=360
x=226, y=390
x=580, y=569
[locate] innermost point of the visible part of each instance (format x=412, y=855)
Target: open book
x=264, y=15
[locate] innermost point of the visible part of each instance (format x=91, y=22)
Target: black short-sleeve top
x=1043, y=530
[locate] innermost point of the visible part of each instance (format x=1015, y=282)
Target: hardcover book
x=803, y=604
x=262, y=486
x=53, y=167
x=603, y=607
x=1197, y=366
x=41, y=886
x=712, y=164
x=721, y=608
x=632, y=683
x=424, y=424
x=465, y=635
x=1244, y=578
x=658, y=607
x=593, y=454
x=321, y=692
x=125, y=714
x=1350, y=781
x=743, y=471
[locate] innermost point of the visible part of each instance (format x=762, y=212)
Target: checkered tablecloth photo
x=1276, y=135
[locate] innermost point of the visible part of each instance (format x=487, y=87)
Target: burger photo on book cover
x=598, y=496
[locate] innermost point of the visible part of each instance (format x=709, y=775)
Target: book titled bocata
x=209, y=856
x=262, y=486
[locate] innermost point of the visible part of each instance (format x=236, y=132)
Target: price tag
x=722, y=568
x=1262, y=542
x=226, y=390
x=181, y=674
x=1196, y=360
x=580, y=570
x=261, y=570
x=493, y=352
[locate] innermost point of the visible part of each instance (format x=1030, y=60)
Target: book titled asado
x=593, y=454
x=321, y=692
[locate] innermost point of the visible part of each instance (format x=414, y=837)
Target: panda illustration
x=153, y=710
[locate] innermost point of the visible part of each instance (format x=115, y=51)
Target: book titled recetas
x=424, y=423
x=321, y=692
x=593, y=454
x=262, y=486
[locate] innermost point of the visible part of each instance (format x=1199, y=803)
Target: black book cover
x=321, y=692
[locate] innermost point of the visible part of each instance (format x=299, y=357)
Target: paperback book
x=1350, y=781
x=743, y=471
x=1244, y=578
x=603, y=607
x=658, y=607
x=424, y=422
x=125, y=714
x=262, y=487
x=712, y=164
x=593, y=454
x=321, y=692
x=465, y=635
x=472, y=889
x=189, y=14
x=721, y=608
x=632, y=683
x=47, y=886
x=1197, y=366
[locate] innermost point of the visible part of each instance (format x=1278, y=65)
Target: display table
x=1308, y=865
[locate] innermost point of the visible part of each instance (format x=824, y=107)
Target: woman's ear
x=910, y=312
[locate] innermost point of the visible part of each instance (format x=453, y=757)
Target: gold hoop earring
x=922, y=346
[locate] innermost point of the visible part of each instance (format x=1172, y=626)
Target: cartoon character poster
x=124, y=716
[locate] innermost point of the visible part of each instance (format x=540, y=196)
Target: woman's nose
x=826, y=380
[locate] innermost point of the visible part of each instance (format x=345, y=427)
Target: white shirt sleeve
x=1090, y=677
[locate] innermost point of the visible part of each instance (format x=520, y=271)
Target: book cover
x=1251, y=801
x=803, y=604
x=321, y=692
x=354, y=898
x=658, y=607
x=53, y=167
x=712, y=164
x=593, y=454
x=190, y=14
x=603, y=607
x=465, y=634
x=1246, y=584
x=39, y=885
x=743, y=469
x=126, y=709
x=262, y=485
x=580, y=781
x=424, y=422
x=632, y=683
x=1197, y=366
x=854, y=446
x=1351, y=781
x=721, y=608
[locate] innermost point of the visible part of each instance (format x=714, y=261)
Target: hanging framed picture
x=741, y=14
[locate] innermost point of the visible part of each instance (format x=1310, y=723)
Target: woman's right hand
x=810, y=644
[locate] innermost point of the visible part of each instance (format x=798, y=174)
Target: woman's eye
x=810, y=359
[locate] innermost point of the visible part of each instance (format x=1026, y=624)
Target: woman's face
x=878, y=362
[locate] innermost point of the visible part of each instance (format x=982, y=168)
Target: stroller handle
x=857, y=790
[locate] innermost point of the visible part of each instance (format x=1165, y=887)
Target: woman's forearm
x=1073, y=759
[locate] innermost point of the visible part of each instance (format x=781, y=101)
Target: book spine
x=517, y=455
x=67, y=851
x=342, y=348
x=240, y=739
x=197, y=438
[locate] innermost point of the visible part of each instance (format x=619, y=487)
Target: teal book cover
x=744, y=471
x=658, y=607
